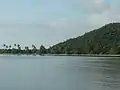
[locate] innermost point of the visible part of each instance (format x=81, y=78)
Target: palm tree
x=42, y=50
x=33, y=46
x=18, y=45
x=6, y=46
x=19, y=48
x=34, y=49
x=15, y=46
x=10, y=46
x=27, y=49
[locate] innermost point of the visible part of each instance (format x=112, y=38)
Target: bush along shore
x=16, y=50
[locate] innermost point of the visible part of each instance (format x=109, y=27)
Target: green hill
x=105, y=40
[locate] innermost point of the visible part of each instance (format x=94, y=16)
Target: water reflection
x=106, y=72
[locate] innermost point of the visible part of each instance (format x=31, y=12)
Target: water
x=59, y=73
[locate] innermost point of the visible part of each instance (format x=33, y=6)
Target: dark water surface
x=59, y=73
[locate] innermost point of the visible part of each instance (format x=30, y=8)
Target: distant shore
x=85, y=55
x=82, y=55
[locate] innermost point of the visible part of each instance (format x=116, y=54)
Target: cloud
x=100, y=12
x=74, y=19
x=96, y=14
x=92, y=6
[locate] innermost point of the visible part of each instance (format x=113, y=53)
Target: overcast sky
x=48, y=22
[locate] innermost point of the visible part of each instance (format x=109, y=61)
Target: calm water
x=59, y=73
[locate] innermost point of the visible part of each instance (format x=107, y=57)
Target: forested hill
x=105, y=40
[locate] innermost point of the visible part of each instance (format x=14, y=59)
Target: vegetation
x=105, y=40
x=16, y=49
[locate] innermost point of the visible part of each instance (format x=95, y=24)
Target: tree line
x=16, y=49
x=105, y=40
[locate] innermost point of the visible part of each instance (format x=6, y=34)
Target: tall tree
x=19, y=47
x=10, y=46
x=42, y=50
x=27, y=50
x=15, y=46
x=34, y=50
x=4, y=45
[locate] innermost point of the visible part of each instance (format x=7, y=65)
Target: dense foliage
x=105, y=40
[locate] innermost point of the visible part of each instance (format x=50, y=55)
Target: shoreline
x=81, y=55
x=85, y=55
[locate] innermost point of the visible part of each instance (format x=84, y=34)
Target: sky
x=48, y=22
